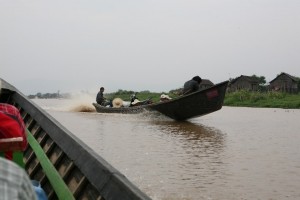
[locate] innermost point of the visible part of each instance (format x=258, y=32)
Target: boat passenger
x=164, y=98
x=192, y=85
x=12, y=126
x=136, y=102
x=15, y=183
x=101, y=100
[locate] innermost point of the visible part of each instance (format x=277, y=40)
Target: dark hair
x=197, y=78
x=102, y=88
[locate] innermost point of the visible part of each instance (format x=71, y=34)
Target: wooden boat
x=65, y=166
x=182, y=108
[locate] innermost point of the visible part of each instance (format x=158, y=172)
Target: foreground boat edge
x=85, y=173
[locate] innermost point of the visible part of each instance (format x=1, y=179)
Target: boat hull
x=122, y=110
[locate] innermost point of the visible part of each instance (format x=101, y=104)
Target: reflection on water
x=200, y=161
x=191, y=131
x=202, y=138
x=235, y=153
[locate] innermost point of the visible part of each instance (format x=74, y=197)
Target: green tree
x=39, y=95
x=261, y=79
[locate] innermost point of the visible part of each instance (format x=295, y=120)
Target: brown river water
x=234, y=153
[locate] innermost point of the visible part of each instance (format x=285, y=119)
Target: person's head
x=102, y=89
x=197, y=78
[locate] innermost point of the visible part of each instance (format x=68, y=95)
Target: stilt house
x=285, y=83
x=243, y=83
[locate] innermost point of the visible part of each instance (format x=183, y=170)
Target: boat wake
x=83, y=108
x=82, y=103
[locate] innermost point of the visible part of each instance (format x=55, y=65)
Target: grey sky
x=156, y=45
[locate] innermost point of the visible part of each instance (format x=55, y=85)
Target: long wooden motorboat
x=65, y=166
x=184, y=107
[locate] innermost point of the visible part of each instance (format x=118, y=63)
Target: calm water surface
x=234, y=153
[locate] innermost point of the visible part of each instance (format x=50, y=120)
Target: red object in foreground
x=12, y=130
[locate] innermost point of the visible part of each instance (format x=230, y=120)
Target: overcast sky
x=155, y=45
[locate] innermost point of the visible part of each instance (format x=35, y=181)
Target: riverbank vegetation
x=262, y=99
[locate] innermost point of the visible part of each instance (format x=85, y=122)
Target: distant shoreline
x=240, y=98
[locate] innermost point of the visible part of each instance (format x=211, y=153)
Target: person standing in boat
x=192, y=85
x=101, y=100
